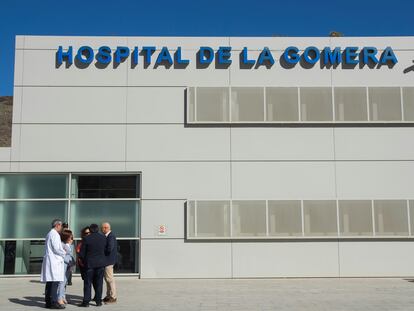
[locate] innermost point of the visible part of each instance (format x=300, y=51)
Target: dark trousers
x=51, y=293
x=93, y=276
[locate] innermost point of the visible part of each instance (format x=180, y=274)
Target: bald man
x=111, y=252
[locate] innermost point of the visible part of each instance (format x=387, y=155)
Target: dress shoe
x=106, y=299
x=84, y=305
x=99, y=304
x=57, y=306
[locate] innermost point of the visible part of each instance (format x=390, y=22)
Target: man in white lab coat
x=53, y=265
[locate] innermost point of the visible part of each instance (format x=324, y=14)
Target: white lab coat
x=53, y=260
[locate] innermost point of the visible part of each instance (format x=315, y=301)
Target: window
x=105, y=186
x=391, y=217
x=355, y=217
x=123, y=216
x=213, y=218
x=316, y=103
x=29, y=219
x=285, y=218
x=25, y=186
x=249, y=218
x=29, y=202
x=21, y=257
x=408, y=99
x=384, y=104
x=350, y=104
x=212, y=104
x=282, y=104
x=247, y=104
x=320, y=218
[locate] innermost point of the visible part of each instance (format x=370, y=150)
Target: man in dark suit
x=111, y=252
x=93, y=256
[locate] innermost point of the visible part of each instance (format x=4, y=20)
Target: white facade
x=133, y=120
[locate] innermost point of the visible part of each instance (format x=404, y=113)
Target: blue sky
x=196, y=18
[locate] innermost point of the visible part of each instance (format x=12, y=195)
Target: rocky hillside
x=6, y=110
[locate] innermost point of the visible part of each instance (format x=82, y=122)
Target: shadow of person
x=29, y=301
x=74, y=299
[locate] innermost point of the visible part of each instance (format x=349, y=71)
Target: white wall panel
x=374, y=143
x=175, y=142
x=74, y=105
x=282, y=143
x=277, y=75
x=4, y=167
x=285, y=259
x=53, y=42
x=15, y=142
x=376, y=259
x=156, y=105
x=283, y=180
x=5, y=153
x=375, y=179
x=383, y=76
x=183, y=180
x=189, y=76
x=397, y=43
x=72, y=142
x=17, y=104
x=186, y=43
x=18, y=67
x=69, y=167
x=178, y=259
x=19, y=42
x=40, y=70
x=277, y=43
x=169, y=213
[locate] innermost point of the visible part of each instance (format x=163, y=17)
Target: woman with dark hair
x=84, y=232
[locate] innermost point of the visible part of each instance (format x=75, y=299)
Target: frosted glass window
x=191, y=104
x=247, y=103
x=122, y=215
x=285, y=218
x=316, y=103
x=27, y=186
x=355, y=218
x=384, y=104
x=249, y=218
x=391, y=217
x=213, y=218
x=212, y=104
x=29, y=219
x=282, y=104
x=320, y=218
x=350, y=104
x=408, y=99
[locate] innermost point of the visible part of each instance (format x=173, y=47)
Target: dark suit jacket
x=93, y=250
x=111, y=249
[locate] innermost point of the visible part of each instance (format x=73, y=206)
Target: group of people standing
x=96, y=256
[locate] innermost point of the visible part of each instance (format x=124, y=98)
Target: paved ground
x=247, y=294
